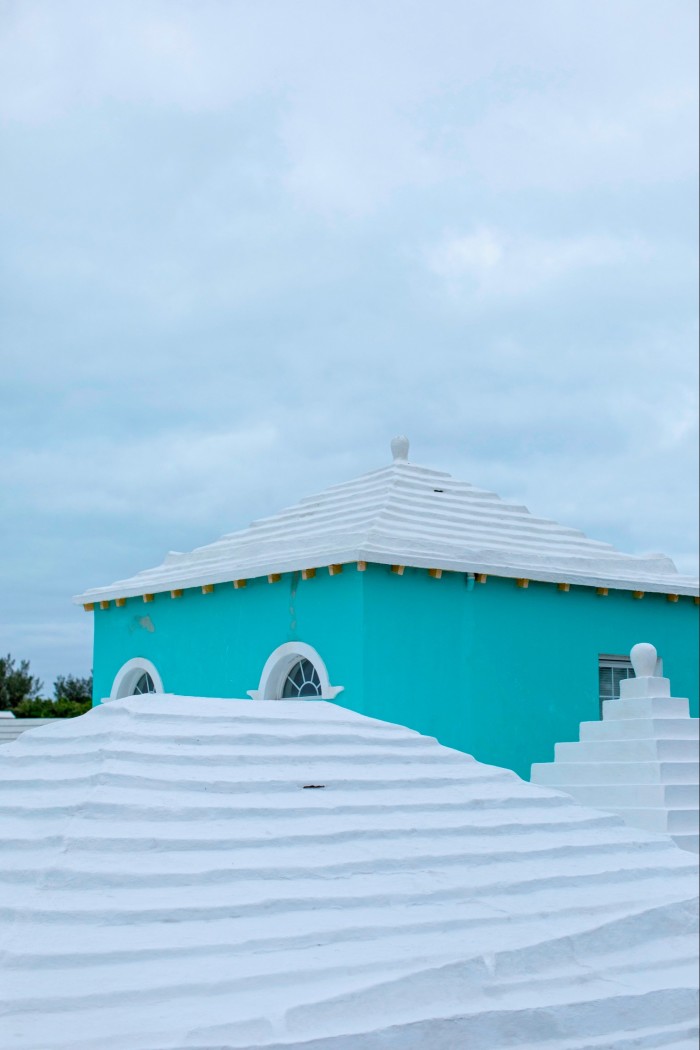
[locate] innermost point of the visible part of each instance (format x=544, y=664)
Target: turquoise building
x=411, y=597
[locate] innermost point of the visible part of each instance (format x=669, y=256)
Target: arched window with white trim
x=295, y=671
x=302, y=682
x=136, y=677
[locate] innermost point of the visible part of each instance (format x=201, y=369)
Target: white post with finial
x=640, y=761
x=646, y=682
x=399, y=449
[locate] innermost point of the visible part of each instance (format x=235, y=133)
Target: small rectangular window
x=611, y=671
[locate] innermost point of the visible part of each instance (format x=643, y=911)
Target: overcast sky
x=246, y=243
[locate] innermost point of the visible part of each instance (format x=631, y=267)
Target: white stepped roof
x=171, y=879
x=408, y=515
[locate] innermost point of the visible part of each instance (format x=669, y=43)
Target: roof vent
x=399, y=449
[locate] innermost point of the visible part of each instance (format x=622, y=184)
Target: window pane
x=302, y=680
x=619, y=674
x=605, y=681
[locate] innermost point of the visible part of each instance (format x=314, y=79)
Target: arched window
x=144, y=685
x=295, y=671
x=302, y=681
x=136, y=677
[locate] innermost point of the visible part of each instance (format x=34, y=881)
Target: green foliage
x=61, y=708
x=77, y=690
x=17, y=685
x=19, y=693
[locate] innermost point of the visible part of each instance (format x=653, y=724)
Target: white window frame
x=279, y=664
x=128, y=675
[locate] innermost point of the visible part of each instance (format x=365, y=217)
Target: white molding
x=279, y=664
x=129, y=673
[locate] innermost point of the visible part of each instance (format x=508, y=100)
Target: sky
x=245, y=244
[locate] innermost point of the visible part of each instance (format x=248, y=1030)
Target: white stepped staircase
x=640, y=762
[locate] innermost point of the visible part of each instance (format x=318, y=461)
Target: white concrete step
x=600, y=796
x=614, y=773
x=646, y=707
x=641, y=728
x=636, y=750
x=669, y=821
x=689, y=842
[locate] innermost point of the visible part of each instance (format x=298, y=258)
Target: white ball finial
x=399, y=449
x=643, y=657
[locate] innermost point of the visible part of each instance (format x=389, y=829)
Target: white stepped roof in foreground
x=408, y=515
x=171, y=878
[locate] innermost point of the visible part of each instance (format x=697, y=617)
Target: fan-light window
x=144, y=684
x=302, y=681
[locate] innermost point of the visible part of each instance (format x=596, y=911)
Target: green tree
x=19, y=693
x=17, y=684
x=75, y=690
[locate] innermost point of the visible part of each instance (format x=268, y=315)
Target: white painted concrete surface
x=641, y=762
x=196, y=873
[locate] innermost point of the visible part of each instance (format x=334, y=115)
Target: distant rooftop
x=414, y=516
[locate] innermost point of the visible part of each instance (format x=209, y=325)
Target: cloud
x=178, y=473
x=493, y=264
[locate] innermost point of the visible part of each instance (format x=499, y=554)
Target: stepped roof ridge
x=410, y=515
x=170, y=880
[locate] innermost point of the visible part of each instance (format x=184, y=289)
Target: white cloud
x=175, y=474
x=492, y=264
x=370, y=100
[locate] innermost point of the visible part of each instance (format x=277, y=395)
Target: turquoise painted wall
x=503, y=672
x=498, y=671
x=217, y=644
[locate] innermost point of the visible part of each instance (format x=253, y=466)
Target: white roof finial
x=643, y=657
x=399, y=449
x=648, y=681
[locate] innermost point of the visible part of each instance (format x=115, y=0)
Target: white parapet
x=641, y=761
